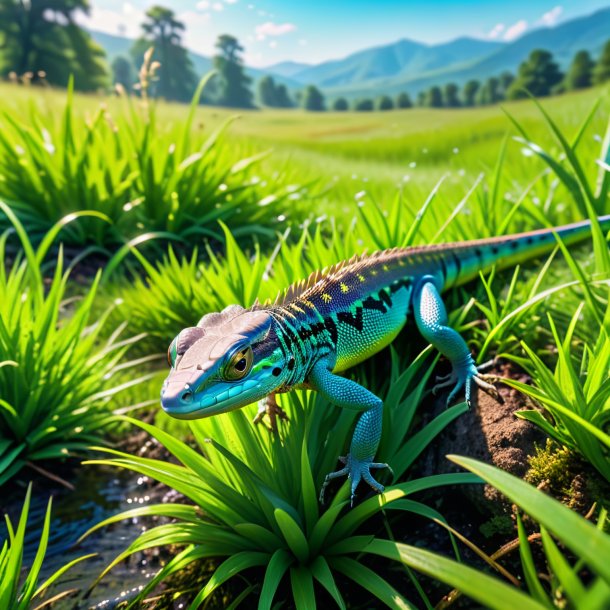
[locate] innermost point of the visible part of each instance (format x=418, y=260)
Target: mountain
x=412, y=66
x=563, y=40
x=286, y=68
x=388, y=61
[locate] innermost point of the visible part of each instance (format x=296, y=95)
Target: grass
x=380, y=180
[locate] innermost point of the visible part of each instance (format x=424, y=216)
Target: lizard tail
x=463, y=262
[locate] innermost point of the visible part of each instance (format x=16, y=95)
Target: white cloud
x=125, y=22
x=274, y=29
x=515, y=30
x=552, y=17
x=204, y=5
x=197, y=25
x=496, y=30
x=218, y=6
x=230, y=1
x=273, y=44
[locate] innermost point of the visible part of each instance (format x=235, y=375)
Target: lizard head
x=229, y=360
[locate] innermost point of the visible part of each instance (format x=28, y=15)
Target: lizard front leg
x=431, y=319
x=268, y=406
x=348, y=394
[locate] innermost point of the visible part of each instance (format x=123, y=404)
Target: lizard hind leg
x=431, y=319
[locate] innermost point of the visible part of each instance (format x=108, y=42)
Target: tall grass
x=134, y=175
x=56, y=374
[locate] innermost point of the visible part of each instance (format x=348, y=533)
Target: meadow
x=124, y=221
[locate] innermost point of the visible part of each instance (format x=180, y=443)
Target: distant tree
x=385, y=103
x=267, y=92
x=489, y=93
x=176, y=79
x=469, y=92
x=313, y=99
x=123, y=73
x=538, y=74
x=234, y=84
x=421, y=98
x=403, y=101
x=42, y=39
x=340, y=104
x=505, y=79
x=601, y=72
x=450, y=96
x=282, y=97
x=365, y=105
x=580, y=72
x=434, y=97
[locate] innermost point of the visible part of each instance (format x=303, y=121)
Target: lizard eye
x=172, y=353
x=239, y=365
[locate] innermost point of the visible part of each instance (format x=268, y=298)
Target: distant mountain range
x=412, y=66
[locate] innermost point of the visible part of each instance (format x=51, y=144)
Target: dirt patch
x=489, y=432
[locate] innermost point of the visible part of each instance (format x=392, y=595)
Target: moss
x=501, y=525
x=563, y=474
x=553, y=467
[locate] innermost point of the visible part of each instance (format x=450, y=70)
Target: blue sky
x=311, y=31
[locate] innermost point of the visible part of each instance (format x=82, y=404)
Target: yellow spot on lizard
x=344, y=288
x=385, y=268
x=361, y=277
x=326, y=297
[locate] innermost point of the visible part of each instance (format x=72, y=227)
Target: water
x=100, y=492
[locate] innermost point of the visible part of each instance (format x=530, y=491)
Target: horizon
x=293, y=33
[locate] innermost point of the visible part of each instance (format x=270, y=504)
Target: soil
x=489, y=432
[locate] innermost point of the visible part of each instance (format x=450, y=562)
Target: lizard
x=334, y=319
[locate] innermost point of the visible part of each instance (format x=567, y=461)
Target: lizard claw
x=355, y=470
x=464, y=376
x=268, y=406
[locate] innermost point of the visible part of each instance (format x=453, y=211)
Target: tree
x=313, y=100
x=434, y=97
x=538, y=74
x=365, y=105
x=41, y=37
x=176, y=78
x=234, y=90
x=421, y=98
x=505, y=79
x=282, y=97
x=450, y=96
x=601, y=72
x=580, y=72
x=267, y=92
x=123, y=72
x=470, y=92
x=340, y=104
x=489, y=92
x=403, y=101
x=385, y=103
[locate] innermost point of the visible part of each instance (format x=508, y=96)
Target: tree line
x=42, y=42
x=539, y=75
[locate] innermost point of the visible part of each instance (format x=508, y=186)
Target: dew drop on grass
x=359, y=195
x=281, y=218
x=413, y=164
x=406, y=178
x=456, y=150
x=597, y=137
x=222, y=187
x=526, y=152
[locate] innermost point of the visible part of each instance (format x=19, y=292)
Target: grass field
x=161, y=220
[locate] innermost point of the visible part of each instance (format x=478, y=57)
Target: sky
x=312, y=31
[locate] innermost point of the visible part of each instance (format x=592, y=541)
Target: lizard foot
x=268, y=406
x=463, y=376
x=356, y=470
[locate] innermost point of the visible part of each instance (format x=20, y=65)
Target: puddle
x=101, y=492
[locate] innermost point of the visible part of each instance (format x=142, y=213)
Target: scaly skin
x=330, y=322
